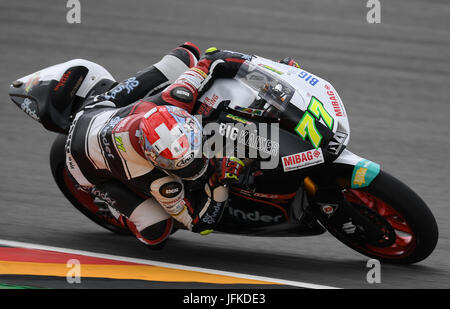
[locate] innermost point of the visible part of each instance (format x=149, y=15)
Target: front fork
x=346, y=171
x=326, y=198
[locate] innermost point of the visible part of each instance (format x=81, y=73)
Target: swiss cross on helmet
x=171, y=137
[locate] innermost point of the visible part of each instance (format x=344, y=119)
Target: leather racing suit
x=104, y=157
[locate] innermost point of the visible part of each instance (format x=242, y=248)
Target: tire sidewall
x=411, y=207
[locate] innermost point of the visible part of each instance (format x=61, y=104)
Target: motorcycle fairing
x=250, y=213
x=305, y=89
x=363, y=171
x=49, y=95
x=250, y=85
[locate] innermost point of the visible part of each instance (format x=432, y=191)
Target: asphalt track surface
x=393, y=78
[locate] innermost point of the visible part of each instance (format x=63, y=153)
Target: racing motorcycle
x=301, y=179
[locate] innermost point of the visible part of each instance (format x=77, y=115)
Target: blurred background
x=393, y=78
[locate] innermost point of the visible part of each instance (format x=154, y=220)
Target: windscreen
x=273, y=93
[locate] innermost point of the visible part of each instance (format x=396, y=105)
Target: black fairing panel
x=275, y=180
x=50, y=102
x=255, y=205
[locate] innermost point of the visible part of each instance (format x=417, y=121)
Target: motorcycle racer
x=113, y=148
x=133, y=154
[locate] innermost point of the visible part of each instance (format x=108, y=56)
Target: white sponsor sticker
x=302, y=160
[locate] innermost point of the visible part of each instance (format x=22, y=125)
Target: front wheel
x=406, y=230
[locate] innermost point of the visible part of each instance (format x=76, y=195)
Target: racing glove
x=228, y=170
x=206, y=217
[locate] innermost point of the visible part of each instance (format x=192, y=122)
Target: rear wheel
x=406, y=230
x=80, y=199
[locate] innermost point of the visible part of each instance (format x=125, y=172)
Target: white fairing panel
x=228, y=89
x=306, y=86
x=55, y=72
x=348, y=157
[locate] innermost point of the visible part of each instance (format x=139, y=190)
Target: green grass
x=9, y=286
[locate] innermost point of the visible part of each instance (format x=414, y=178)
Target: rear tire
x=79, y=199
x=414, y=225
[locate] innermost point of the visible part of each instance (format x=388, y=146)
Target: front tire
x=402, y=211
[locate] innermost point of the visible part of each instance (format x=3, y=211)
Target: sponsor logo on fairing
x=328, y=209
x=77, y=85
x=30, y=108
x=264, y=195
x=270, y=69
x=33, y=81
x=334, y=102
x=249, y=139
x=254, y=216
x=302, y=160
x=236, y=118
x=259, y=143
x=360, y=176
x=364, y=173
x=63, y=80
x=307, y=77
x=241, y=140
x=208, y=104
